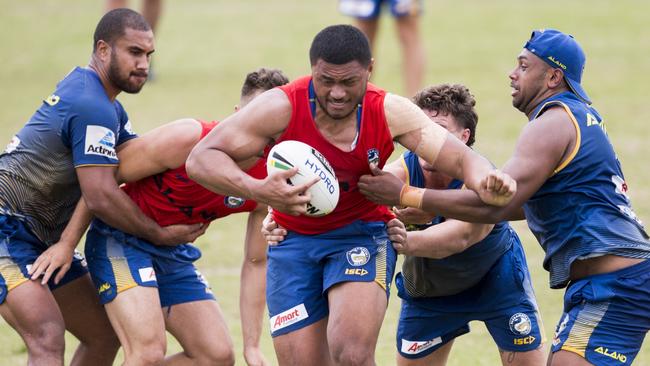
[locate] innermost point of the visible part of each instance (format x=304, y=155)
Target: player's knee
x=218, y=354
x=352, y=353
x=46, y=342
x=150, y=354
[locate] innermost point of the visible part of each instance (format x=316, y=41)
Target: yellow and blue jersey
x=427, y=277
x=583, y=209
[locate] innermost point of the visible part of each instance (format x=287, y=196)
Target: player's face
x=448, y=122
x=130, y=55
x=339, y=88
x=528, y=81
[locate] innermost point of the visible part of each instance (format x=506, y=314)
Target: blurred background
x=204, y=48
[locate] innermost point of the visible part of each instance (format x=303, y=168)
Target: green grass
x=205, y=47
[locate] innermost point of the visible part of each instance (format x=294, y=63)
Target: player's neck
x=339, y=132
x=109, y=88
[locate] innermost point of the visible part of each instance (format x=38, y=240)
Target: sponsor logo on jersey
x=358, y=256
x=233, y=202
x=356, y=271
x=613, y=354
x=204, y=281
x=373, y=156
x=415, y=347
x=288, y=317
x=100, y=141
x=128, y=128
x=147, y=274
x=12, y=145
x=621, y=186
x=520, y=324
x=524, y=341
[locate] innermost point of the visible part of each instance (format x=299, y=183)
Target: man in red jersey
x=134, y=276
x=322, y=279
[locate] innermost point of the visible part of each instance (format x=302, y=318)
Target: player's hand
x=58, y=256
x=179, y=234
x=381, y=187
x=273, y=233
x=254, y=357
x=277, y=193
x=397, y=235
x=410, y=215
x=497, y=188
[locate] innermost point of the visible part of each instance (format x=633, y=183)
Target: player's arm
x=540, y=149
x=415, y=131
x=59, y=255
x=165, y=147
x=253, y=286
x=444, y=239
x=214, y=160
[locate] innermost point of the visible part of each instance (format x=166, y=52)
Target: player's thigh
x=304, y=346
x=200, y=327
x=436, y=358
x=536, y=357
x=566, y=358
x=352, y=304
x=137, y=317
x=32, y=311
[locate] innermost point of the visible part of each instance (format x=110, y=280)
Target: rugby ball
x=310, y=163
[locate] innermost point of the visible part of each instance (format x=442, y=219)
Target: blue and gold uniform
x=75, y=126
x=488, y=282
x=583, y=211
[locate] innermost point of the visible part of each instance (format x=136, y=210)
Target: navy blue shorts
x=19, y=249
x=302, y=268
x=117, y=265
x=606, y=316
x=503, y=300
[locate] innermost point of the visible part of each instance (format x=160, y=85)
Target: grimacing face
x=527, y=80
x=339, y=88
x=129, y=64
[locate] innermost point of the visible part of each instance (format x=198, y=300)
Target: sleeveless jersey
x=172, y=198
x=374, y=144
x=583, y=210
x=77, y=125
x=428, y=277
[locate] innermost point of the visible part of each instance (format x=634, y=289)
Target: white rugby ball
x=310, y=163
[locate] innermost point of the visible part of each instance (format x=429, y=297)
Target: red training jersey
x=374, y=144
x=172, y=198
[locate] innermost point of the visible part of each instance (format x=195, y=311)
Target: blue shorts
x=606, y=316
x=19, y=249
x=116, y=265
x=302, y=268
x=370, y=9
x=503, y=300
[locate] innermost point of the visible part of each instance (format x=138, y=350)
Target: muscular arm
x=160, y=149
x=444, y=239
x=253, y=285
x=541, y=147
x=214, y=160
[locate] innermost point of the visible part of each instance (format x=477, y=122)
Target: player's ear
x=103, y=50
x=556, y=78
x=372, y=63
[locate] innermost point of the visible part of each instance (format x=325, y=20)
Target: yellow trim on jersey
x=11, y=273
x=406, y=170
x=583, y=327
x=578, y=136
x=574, y=350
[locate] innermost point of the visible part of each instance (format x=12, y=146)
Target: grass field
x=205, y=47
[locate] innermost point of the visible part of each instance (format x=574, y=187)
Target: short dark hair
x=340, y=44
x=114, y=24
x=263, y=79
x=453, y=99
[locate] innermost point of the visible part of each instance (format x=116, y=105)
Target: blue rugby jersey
x=428, y=277
x=582, y=210
x=76, y=125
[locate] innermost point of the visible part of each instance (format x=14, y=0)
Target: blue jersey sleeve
x=125, y=133
x=92, y=132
